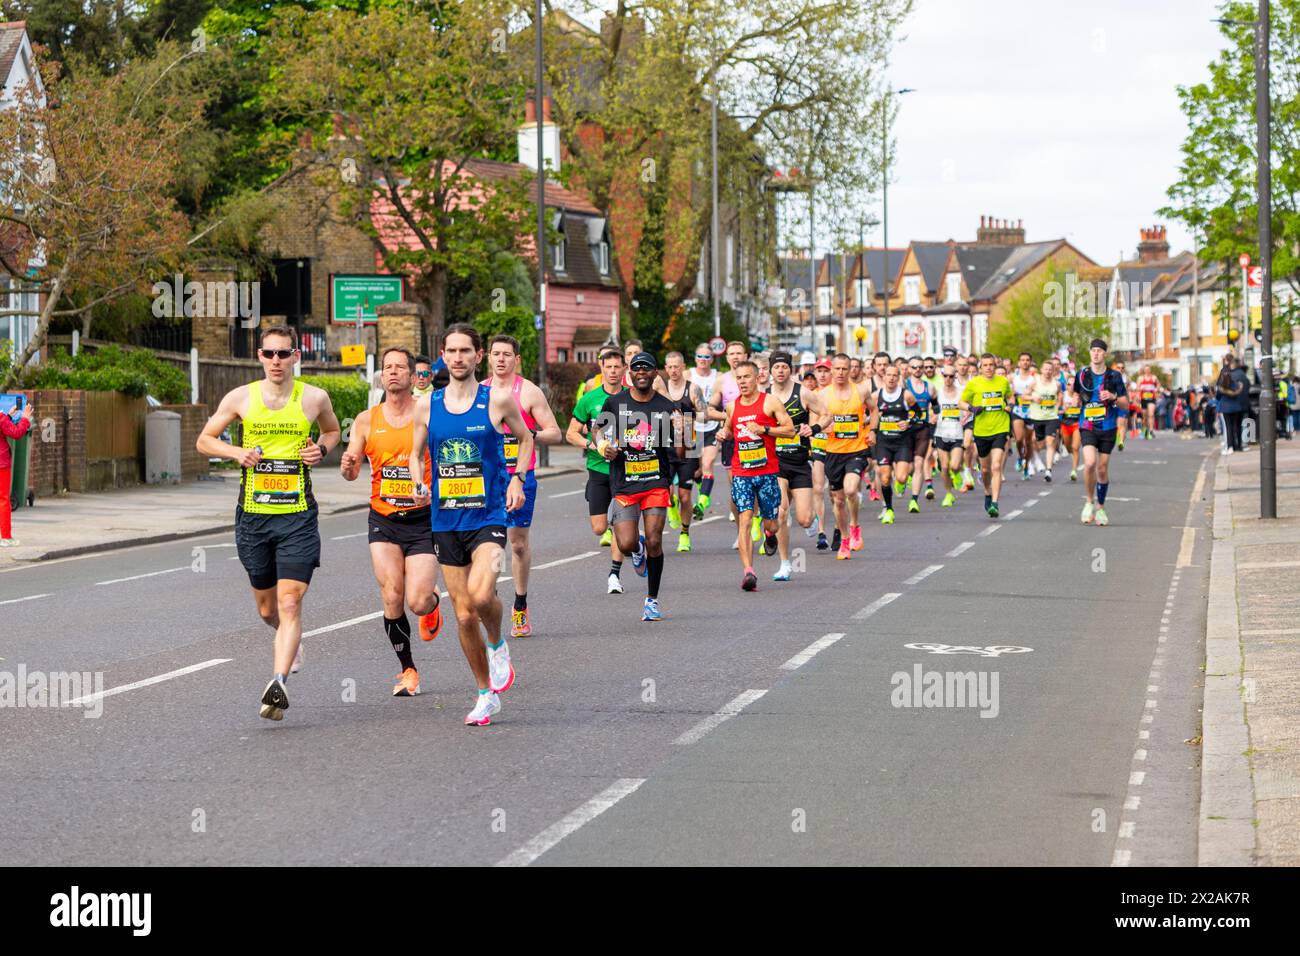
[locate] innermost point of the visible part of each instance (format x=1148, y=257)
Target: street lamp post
x=1267, y=393
x=884, y=202
x=715, y=226
x=543, y=451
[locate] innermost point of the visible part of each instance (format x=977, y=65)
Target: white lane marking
x=989, y=530
x=811, y=651
x=1126, y=830
x=1147, y=461
x=1132, y=803
x=1043, y=494
x=344, y=537
x=1152, y=689
x=924, y=573
x=1151, y=705
x=1144, y=735
x=137, y=577
x=1148, y=718
x=1015, y=514
x=342, y=624
x=556, y=832
x=553, y=564
x=876, y=605
x=1139, y=755
x=1116, y=498
x=565, y=494
x=1031, y=502
x=1136, y=777
x=964, y=546
x=1121, y=858
x=30, y=597
x=149, y=680
x=728, y=710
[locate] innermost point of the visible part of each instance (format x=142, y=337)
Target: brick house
x=17, y=70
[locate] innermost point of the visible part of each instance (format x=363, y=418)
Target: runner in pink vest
x=503, y=362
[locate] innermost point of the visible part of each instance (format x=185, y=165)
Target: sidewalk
x=79, y=524
x=1250, y=799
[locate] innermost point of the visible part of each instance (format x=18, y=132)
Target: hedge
x=349, y=394
x=137, y=372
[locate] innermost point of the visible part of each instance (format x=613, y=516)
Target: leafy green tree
x=693, y=324
x=1215, y=192
x=514, y=321
x=1055, y=312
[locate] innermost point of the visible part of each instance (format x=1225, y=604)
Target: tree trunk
x=433, y=293
x=42, y=327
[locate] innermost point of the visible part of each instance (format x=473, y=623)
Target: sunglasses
x=423, y=374
x=277, y=353
x=707, y=358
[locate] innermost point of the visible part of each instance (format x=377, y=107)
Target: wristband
x=817, y=429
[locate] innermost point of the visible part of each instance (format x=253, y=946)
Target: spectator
x=1293, y=400
x=10, y=429
x=1234, y=397
x=1209, y=408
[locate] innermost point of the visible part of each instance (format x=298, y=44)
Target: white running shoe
x=783, y=572
x=615, y=585
x=8, y=542
x=296, y=666
x=1100, y=517
x=1086, y=516
x=486, y=705
x=501, y=673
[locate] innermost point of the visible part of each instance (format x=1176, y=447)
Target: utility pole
x=543, y=451
x=1195, y=376
x=812, y=265
x=716, y=226
x=1267, y=389
x=884, y=199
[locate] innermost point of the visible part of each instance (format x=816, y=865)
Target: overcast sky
x=1062, y=113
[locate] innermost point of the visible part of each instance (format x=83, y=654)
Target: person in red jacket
x=10, y=430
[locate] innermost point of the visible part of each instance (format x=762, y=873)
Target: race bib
x=787, y=444
x=991, y=400
x=396, y=487
x=640, y=467
x=460, y=485
x=510, y=450
x=1048, y=403
x=819, y=442
x=277, y=481
x=893, y=427
x=845, y=426
x=950, y=413
x=1094, y=411
x=752, y=454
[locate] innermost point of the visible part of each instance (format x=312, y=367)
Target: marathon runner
x=796, y=472
x=277, y=533
x=949, y=436
x=400, y=535
x=503, y=362
x=987, y=396
x=1105, y=397
x=1123, y=419
x=923, y=402
x=705, y=377
x=722, y=396
x=583, y=433
x=459, y=428
x=689, y=401
x=891, y=412
x=929, y=371
x=754, y=421
x=1071, y=406
x=1043, y=417
x=645, y=426
x=846, y=451
x=1022, y=384
x=817, y=459
x=1148, y=388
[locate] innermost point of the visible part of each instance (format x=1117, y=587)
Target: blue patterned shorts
x=764, y=489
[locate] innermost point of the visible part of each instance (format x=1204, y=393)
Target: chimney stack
x=1154, y=247
x=1000, y=232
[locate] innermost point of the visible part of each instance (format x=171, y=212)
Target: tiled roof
x=579, y=259
x=556, y=195
x=931, y=257
x=11, y=39
x=1018, y=261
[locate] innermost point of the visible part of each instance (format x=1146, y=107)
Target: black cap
x=1098, y=344
x=949, y=352
x=785, y=357
x=643, y=360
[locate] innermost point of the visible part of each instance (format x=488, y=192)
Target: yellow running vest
x=280, y=483
x=848, y=431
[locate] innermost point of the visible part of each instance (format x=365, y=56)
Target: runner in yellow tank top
x=276, y=530
x=400, y=533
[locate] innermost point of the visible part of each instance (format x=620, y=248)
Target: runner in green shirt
x=988, y=395
x=585, y=433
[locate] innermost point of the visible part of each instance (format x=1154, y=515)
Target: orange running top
x=389, y=450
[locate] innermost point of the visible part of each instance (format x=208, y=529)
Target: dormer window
x=558, y=250
x=602, y=257
x=558, y=254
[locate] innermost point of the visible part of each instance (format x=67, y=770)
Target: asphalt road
x=739, y=730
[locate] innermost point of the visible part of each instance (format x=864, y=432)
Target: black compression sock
x=398, y=630
x=706, y=485
x=521, y=602
x=615, y=567
x=655, y=573
x=887, y=492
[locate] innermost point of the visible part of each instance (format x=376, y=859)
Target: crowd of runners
x=453, y=484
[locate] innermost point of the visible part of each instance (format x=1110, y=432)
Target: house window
x=559, y=255
x=954, y=287
x=561, y=355
x=862, y=292
x=602, y=255
x=729, y=261
x=1205, y=317
x=911, y=290
x=824, y=300
x=981, y=332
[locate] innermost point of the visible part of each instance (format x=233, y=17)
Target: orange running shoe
x=408, y=684
x=855, y=537
x=843, y=554
x=519, y=623
x=431, y=623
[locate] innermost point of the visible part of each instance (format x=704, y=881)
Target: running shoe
x=650, y=612
x=887, y=516
x=900, y=487
x=408, y=684
x=1047, y=475
x=431, y=623
x=948, y=500
x=275, y=701
x=501, y=673
x=702, y=505
x=683, y=543
x=486, y=705
x=674, y=516
x=769, y=544
x=607, y=538
x=835, y=540
x=1119, y=443
x=844, y=553
x=1074, y=474
x=639, y=559
x=698, y=511
x=756, y=528
x=993, y=510
x=1099, y=516
x=750, y=581
x=783, y=572
x=296, y=666
x=813, y=528
x=822, y=543
x=615, y=585
x=872, y=493
x=1086, y=515
x=732, y=517
x=855, y=537
x=520, y=626
x=929, y=490
x=914, y=507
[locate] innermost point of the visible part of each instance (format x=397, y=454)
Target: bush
x=514, y=321
x=349, y=395
x=563, y=379
x=111, y=369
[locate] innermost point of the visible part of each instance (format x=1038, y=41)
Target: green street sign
x=368, y=292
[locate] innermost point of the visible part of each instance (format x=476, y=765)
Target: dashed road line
x=725, y=713
x=964, y=546
x=811, y=651
x=30, y=597
x=924, y=573
x=137, y=577
x=876, y=605
x=100, y=695
x=556, y=832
